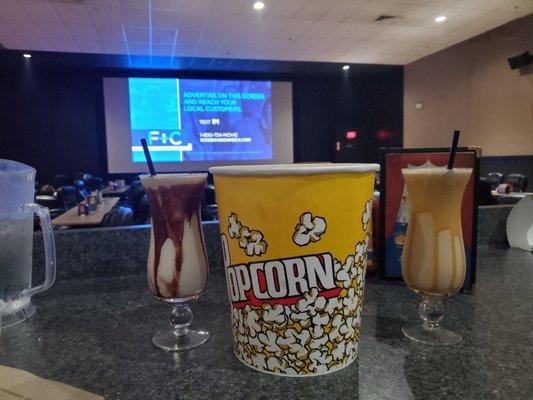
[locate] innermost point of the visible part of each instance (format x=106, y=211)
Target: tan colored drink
x=433, y=260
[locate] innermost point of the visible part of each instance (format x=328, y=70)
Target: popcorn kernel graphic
x=309, y=229
x=367, y=214
x=314, y=335
x=234, y=226
x=251, y=241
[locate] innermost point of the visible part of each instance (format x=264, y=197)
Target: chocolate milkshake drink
x=177, y=259
x=433, y=260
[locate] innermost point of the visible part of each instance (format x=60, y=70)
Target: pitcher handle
x=49, y=248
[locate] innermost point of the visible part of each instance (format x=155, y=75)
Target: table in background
x=115, y=192
x=518, y=195
x=72, y=218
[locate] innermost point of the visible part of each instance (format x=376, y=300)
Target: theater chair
x=495, y=178
x=94, y=183
x=518, y=181
x=61, y=180
x=118, y=216
x=67, y=197
x=46, y=190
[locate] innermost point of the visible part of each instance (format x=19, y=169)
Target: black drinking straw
x=453, y=149
x=148, y=157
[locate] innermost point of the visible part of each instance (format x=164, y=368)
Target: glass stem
x=431, y=311
x=181, y=318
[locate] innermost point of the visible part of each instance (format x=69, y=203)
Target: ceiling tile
x=330, y=30
x=164, y=19
x=313, y=9
x=211, y=37
x=24, y=28
x=300, y=44
x=273, y=25
x=160, y=49
x=343, y=29
x=443, y=3
x=114, y=47
x=140, y=49
x=163, y=35
x=195, y=10
x=366, y=31
x=12, y=10
x=341, y=10
x=110, y=32
x=90, y=46
x=183, y=50
x=320, y=29
x=73, y=12
x=83, y=32
x=285, y=8
x=5, y=30
x=108, y=3
x=135, y=17
x=40, y=10
x=67, y=45
x=390, y=32
x=173, y=5
x=105, y=15
x=40, y=44
x=135, y=4
x=13, y=42
x=240, y=6
x=413, y=2
x=54, y=30
x=373, y=9
x=506, y=5
x=137, y=34
x=294, y=29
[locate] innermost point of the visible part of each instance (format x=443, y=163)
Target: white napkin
x=16, y=384
x=520, y=225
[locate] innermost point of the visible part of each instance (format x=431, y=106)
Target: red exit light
x=383, y=134
x=351, y=135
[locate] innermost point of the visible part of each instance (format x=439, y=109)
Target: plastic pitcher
x=17, y=185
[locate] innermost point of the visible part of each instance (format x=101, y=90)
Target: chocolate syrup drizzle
x=170, y=207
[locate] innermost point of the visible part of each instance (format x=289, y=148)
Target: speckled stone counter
x=109, y=252
x=95, y=334
x=121, y=251
x=492, y=225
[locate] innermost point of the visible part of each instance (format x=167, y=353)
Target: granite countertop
x=96, y=334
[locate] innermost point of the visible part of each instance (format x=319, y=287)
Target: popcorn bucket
x=294, y=241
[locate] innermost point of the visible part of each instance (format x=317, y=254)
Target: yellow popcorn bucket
x=294, y=240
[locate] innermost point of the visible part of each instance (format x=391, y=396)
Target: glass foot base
x=168, y=341
x=439, y=337
x=17, y=317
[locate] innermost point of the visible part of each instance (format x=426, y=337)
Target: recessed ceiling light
x=259, y=5
x=440, y=19
x=26, y=55
x=345, y=67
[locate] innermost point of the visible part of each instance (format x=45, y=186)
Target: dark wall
x=52, y=113
x=53, y=121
